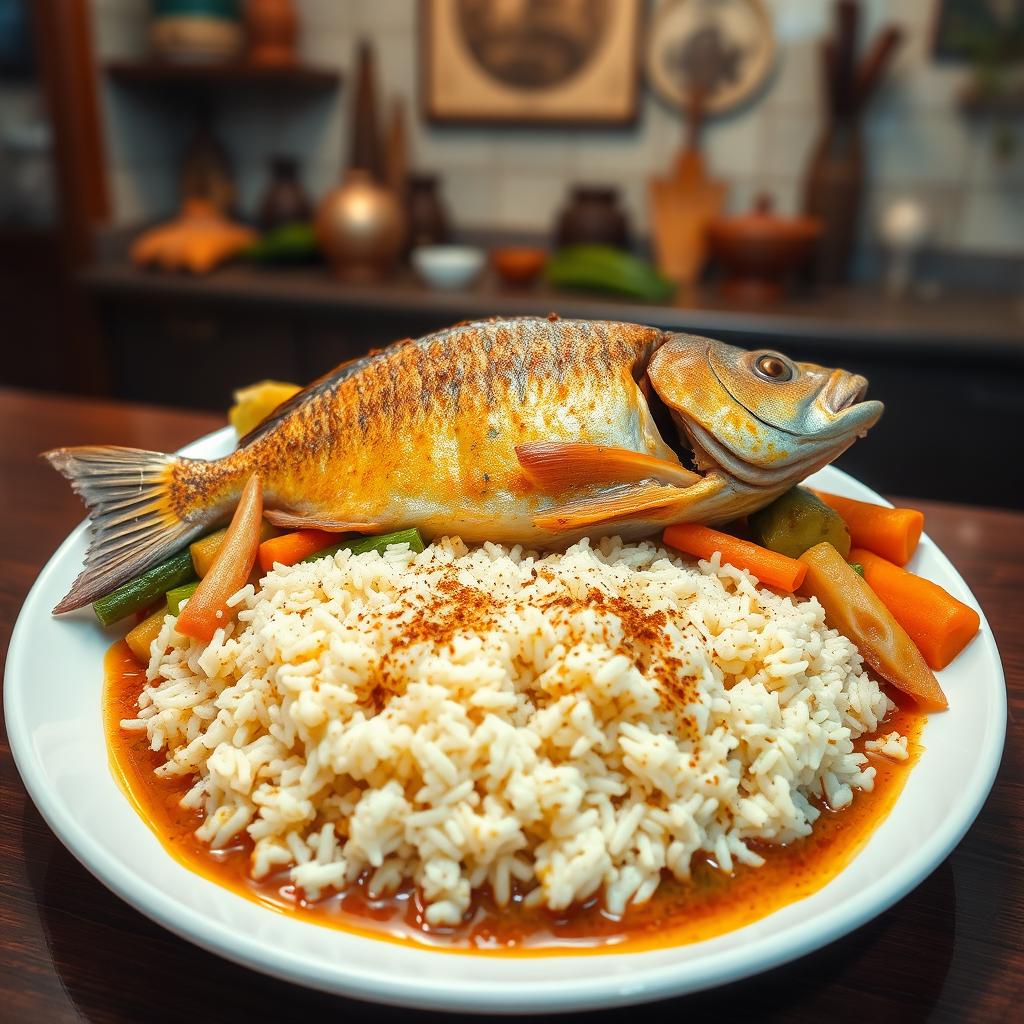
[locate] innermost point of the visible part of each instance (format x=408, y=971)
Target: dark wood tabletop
x=70, y=950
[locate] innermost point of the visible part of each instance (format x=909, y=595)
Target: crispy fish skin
x=425, y=433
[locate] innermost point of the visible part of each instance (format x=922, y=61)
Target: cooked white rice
x=467, y=718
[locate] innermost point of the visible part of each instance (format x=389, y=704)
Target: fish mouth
x=842, y=391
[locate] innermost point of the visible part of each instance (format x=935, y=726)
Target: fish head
x=759, y=417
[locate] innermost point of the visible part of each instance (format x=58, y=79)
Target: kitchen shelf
x=957, y=323
x=212, y=77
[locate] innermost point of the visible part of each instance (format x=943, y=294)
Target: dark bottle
x=285, y=201
x=427, y=217
x=593, y=217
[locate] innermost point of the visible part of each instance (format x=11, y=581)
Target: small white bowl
x=448, y=266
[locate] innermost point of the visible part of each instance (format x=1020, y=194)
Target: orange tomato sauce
x=710, y=904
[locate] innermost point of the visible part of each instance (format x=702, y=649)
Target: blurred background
x=200, y=194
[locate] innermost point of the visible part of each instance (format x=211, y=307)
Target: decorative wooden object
x=835, y=176
x=682, y=206
x=396, y=157
x=206, y=171
x=364, y=150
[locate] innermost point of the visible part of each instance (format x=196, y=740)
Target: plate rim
x=549, y=996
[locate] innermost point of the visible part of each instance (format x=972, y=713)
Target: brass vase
x=360, y=227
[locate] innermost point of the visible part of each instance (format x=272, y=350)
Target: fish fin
x=628, y=502
x=555, y=466
x=293, y=521
x=131, y=497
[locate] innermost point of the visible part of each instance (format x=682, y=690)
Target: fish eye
x=771, y=366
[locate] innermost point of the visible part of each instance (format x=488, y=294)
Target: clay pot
x=593, y=217
x=360, y=227
x=285, y=201
x=428, y=219
x=273, y=28
x=759, y=250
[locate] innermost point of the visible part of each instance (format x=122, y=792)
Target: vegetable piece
x=769, y=567
x=857, y=568
x=204, y=550
x=892, y=533
x=179, y=595
x=256, y=402
x=141, y=638
x=207, y=608
x=198, y=239
x=796, y=521
x=290, y=548
x=145, y=589
x=605, y=268
x=935, y=620
x=290, y=243
x=380, y=543
x=853, y=608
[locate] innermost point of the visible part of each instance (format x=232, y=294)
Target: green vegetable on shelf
x=797, y=521
x=360, y=545
x=179, y=595
x=604, y=268
x=136, y=594
x=290, y=243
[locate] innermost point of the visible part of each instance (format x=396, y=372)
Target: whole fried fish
x=526, y=430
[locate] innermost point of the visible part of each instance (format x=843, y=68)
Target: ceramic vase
x=272, y=27
x=593, y=217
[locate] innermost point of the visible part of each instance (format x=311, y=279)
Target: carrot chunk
x=290, y=548
x=892, y=533
x=771, y=568
x=207, y=608
x=937, y=622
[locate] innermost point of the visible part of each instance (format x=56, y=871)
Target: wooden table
x=70, y=950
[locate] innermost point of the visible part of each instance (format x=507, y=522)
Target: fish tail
x=143, y=506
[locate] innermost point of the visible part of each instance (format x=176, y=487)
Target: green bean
x=177, y=596
x=360, y=545
x=145, y=589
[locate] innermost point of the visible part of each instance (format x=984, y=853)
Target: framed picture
x=530, y=62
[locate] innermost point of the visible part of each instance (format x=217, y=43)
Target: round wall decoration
x=721, y=50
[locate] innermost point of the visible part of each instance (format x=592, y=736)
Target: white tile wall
x=994, y=221
x=918, y=148
x=527, y=200
x=514, y=178
x=991, y=165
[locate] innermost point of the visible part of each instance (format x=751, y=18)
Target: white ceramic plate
x=52, y=691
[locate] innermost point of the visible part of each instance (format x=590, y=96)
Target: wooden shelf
x=958, y=323
x=211, y=77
